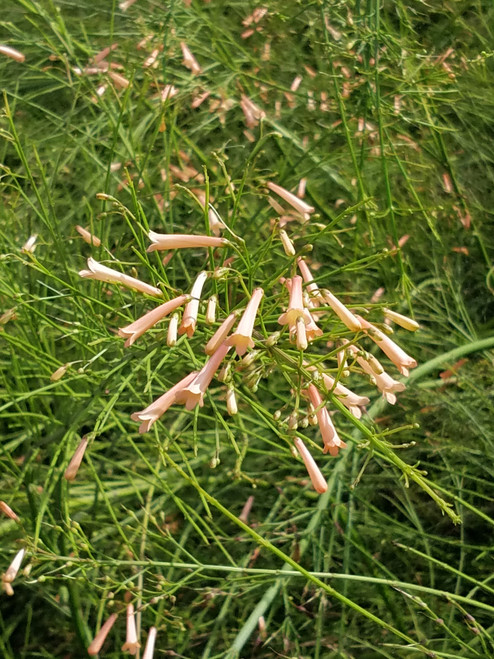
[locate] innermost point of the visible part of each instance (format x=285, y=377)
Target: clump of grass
x=125, y=120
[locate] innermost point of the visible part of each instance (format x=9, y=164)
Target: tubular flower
x=75, y=463
x=349, y=399
x=300, y=206
x=101, y=272
x=189, y=319
x=136, y=329
x=399, y=357
x=131, y=645
x=10, y=574
x=384, y=382
x=193, y=393
x=221, y=333
x=242, y=338
x=7, y=510
x=100, y=637
x=149, y=649
x=403, y=321
x=189, y=60
x=345, y=315
x=12, y=53
x=87, y=236
x=296, y=316
x=312, y=288
x=332, y=442
x=252, y=112
x=153, y=412
x=161, y=241
x=317, y=479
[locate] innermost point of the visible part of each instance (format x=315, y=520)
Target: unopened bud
x=273, y=339
x=171, y=337
x=231, y=401
x=287, y=243
x=211, y=310
x=293, y=421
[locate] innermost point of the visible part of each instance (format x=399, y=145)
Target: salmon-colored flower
x=242, y=338
x=7, y=510
x=403, y=321
x=384, y=382
x=349, y=399
x=149, y=649
x=221, y=333
x=99, y=639
x=332, y=442
x=189, y=60
x=162, y=241
x=103, y=273
x=136, y=329
x=300, y=206
x=10, y=574
x=252, y=112
x=87, y=236
x=153, y=412
x=296, y=316
x=193, y=393
x=344, y=314
x=311, y=286
x=189, y=319
x=131, y=644
x=396, y=354
x=12, y=53
x=171, y=336
x=75, y=463
x=317, y=479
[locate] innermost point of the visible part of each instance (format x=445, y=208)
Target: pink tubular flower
x=221, y=333
x=75, y=463
x=131, y=645
x=242, y=338
x=403, y=321
x=317, y=479
x=136, y=329
x=12, y=53
x=153, y=412
x=162, y=241
x=349, y=399
x=193, y=393
x=103, y=273
x=252, y=112
x=296, y=316
x=10, y=574
x=384, y=382
x=345, y=315
x=189, y=318
x=149, y=649
x=100, y=637
x=399, y=357
x=332, y=442
x=7, y=510
x=87, y=236
x=189, y=60
x=312, y=288
x=300, y=206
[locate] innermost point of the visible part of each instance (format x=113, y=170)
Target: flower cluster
x=307, y=305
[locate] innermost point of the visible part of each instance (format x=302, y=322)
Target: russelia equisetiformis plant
x=248, y=342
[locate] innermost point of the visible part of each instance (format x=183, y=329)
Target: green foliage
x=392, y=134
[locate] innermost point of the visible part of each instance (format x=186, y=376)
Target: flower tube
x=153, y=412
x=75, y=463
x=131, y=644
x=330, y=437
x=242, y=338
x=189, y=319
x=221, y=333
x=99, y=639
x=398, y=356
x=189, y=60
x=384, y=382
x=149, y=649
x=136, y=329
x=317, y=479
x=300, y=206
x=162, y=241
x=193, y=393
x=101, y=272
